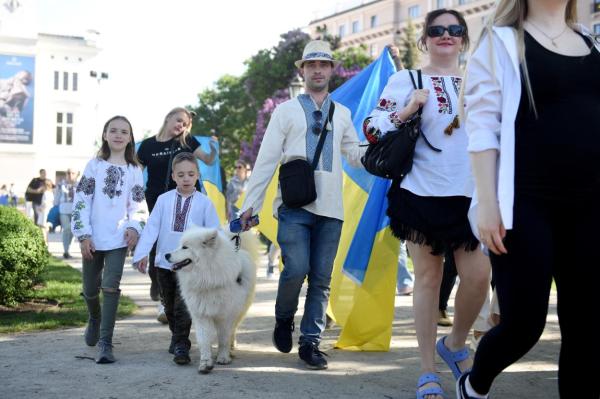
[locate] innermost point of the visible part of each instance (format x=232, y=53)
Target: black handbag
x=392, y=155
x=297, y=177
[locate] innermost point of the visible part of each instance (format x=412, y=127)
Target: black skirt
x=439, y=222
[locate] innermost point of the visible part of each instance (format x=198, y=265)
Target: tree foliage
x=226, y=111
x=238, y=109
x=408, y=47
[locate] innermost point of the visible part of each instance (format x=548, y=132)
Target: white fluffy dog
x=217, y=283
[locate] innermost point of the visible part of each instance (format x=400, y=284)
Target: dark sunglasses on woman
x=453, y=30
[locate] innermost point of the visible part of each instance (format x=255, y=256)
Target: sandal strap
x=426, y=378
x=457, y=356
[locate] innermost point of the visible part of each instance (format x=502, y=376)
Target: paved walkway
x=55, y=364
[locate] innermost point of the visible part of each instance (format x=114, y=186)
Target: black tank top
x=557, y=155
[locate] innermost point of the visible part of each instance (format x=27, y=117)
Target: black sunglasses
x=453, y=30
x=317, y=127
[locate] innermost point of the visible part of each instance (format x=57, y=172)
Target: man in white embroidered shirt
x=308, y=235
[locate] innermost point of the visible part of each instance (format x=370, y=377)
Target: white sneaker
x=162, y=316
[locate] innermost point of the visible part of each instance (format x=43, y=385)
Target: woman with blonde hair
x=533, y=96
x=428, y=208
x=156, y=154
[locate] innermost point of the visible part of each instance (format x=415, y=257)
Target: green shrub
x=23, y=255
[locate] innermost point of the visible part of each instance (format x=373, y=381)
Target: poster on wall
x=16, y=99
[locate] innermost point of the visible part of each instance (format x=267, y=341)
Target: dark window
x=59, y=117
x=373, y=21
x=69, y=118
x=75, y=81
x=58, y=134
x=69, y=135
x=65, y=80
x=56, y=80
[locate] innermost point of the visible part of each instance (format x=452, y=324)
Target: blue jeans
x=67, y=235
x=308, y=244
x=405, y=279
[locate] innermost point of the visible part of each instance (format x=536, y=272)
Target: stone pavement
x=56, y=364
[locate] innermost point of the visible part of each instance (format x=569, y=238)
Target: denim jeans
x=405, y=278
x=67, y=235
x=103, y=271
x=308, y=244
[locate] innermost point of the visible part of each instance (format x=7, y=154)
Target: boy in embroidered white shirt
x=174, y=211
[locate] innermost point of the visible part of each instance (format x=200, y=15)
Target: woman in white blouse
x=428, y=208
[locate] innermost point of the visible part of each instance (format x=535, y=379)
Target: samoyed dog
x=217, y=283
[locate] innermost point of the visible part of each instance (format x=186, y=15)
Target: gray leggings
x=94, y=277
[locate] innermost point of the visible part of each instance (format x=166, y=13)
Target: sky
x=161, y=54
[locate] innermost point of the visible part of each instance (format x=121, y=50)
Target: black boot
x=92, y=331
x=110, y=304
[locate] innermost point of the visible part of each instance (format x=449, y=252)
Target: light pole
x=99, y=76
x=296, y=86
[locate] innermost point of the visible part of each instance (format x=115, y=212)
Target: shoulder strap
x=419, y=86
x=315, y=161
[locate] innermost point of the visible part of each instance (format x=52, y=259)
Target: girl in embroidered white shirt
x=106, y=223
x=174, y=211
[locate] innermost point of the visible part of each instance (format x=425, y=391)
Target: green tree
x=334, y=40
x=227, y=111
x=273, y=69
x=409, y=52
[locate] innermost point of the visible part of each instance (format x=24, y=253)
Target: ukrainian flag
x=210, y=176
x=364, y=276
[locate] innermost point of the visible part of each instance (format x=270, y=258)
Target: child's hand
x=141, y=264
x=87, y=249
x=131, y=237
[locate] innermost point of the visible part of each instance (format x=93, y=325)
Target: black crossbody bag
x=392, y=155
x=297, y=177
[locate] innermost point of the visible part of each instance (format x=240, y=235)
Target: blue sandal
x=452, y=358
x=427, y=378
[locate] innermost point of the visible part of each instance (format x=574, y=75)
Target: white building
x=55, y=126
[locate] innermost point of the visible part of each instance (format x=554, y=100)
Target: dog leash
x=237, y=241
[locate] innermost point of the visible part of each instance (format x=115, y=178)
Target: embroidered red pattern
x=386, y=104
x=443, y=99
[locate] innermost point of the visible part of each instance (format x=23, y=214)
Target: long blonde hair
x=183, y=136
x=512, y=13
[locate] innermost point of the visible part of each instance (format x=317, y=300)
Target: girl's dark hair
x=104, y=151
x=431, y=15
x=182, y=157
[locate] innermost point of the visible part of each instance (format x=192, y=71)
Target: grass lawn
x=55, y=303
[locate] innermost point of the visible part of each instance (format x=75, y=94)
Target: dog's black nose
x=168, y=256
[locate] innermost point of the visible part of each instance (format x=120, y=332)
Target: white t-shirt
x=434, y=174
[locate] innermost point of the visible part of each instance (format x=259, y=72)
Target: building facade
x=48, y=103
x=382, y=22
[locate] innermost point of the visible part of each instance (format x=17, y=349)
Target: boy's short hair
x=182, y=157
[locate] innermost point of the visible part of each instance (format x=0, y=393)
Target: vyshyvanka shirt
x=171, y=216
x=106, y=203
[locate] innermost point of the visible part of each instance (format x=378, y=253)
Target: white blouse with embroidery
x=106, y=203
x=435, y=174
x=171, y=216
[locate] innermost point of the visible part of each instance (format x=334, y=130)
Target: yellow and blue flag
x=364, y=277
